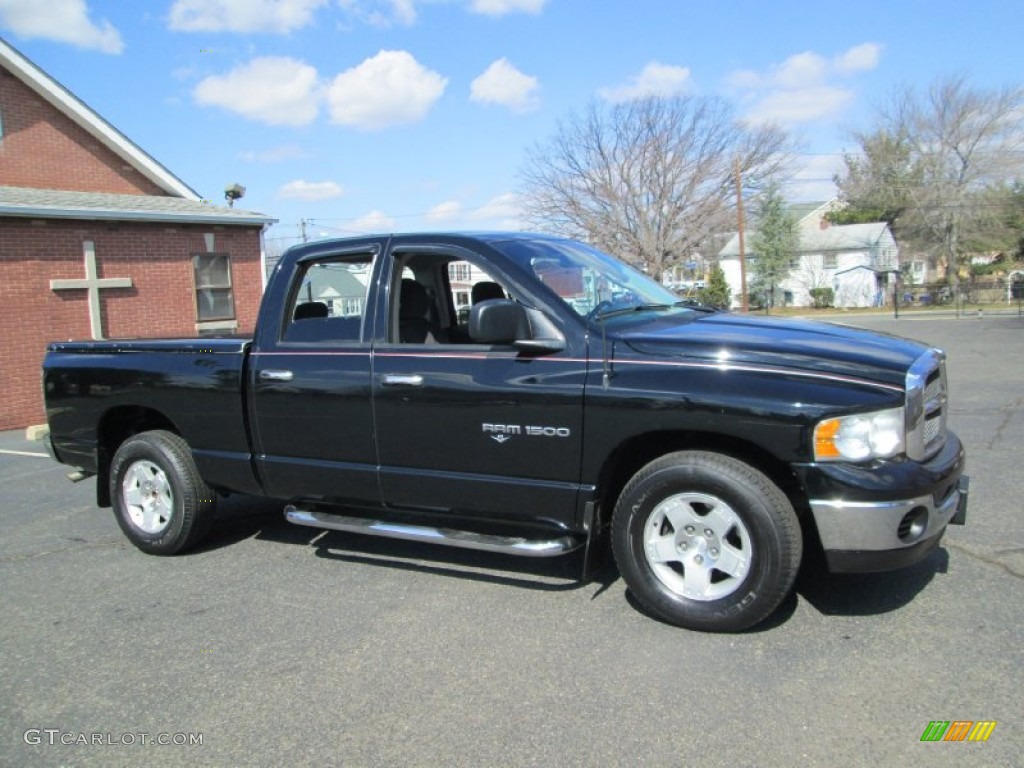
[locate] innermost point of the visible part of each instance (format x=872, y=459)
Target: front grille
x=934, y=388
x=926, y=405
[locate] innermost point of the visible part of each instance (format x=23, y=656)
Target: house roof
x=845, y=237
x=25, y=202
x=85, y=117
x=841, y=237
x=804, y=212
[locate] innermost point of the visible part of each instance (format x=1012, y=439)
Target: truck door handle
x=402, y=380
x=272, y=375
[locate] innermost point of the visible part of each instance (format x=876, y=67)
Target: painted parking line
x=24, y=453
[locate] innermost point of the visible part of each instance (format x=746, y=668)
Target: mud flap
x=960, y=518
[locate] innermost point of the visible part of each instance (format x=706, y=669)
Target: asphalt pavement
x=279, y=645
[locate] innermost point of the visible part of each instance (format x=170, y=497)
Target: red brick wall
x=160, y=303
x=43, y=148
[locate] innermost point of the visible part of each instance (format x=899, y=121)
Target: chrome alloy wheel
x=147, y=496
x=697, y=546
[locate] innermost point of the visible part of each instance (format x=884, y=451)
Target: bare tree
x=962, y=142
x=650, y=179
x=877, y=183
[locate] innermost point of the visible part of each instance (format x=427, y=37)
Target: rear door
x=310, y=383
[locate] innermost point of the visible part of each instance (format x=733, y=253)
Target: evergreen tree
x=717, y=292
x=774, y=244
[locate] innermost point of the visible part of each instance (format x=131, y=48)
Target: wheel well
x=116, y=426
x=639, y=451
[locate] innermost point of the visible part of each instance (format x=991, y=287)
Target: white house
x=857, y=261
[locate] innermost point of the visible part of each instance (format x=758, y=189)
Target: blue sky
x=390, y=115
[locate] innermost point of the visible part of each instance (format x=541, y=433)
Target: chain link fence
x=963, y=296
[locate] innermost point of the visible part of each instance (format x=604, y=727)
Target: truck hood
x=767, y=341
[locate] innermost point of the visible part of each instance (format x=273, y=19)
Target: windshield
x=594, y=284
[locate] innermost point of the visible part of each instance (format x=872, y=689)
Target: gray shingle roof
x=838, y=237
x=25, y=202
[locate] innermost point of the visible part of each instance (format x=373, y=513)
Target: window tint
x=330, y=304
x=469, y=285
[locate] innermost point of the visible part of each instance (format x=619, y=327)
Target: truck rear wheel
x=706, y=541
x=160, y=501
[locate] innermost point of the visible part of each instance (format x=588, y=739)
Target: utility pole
x=739, y=225
x=302, y=230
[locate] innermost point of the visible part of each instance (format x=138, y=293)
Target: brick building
x=99, y=240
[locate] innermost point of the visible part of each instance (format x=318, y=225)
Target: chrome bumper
x=876, y=526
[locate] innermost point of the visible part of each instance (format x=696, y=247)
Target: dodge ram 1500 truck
x=530, y=395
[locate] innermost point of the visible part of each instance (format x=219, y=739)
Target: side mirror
x=503, y=321
x=498, y=321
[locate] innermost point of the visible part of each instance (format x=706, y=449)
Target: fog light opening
x=913, y=525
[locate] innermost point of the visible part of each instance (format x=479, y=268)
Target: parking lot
x=279, y=645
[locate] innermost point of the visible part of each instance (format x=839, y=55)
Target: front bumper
x=881, y=536
x=863, y=528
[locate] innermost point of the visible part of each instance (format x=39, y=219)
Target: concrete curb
x=36, y=432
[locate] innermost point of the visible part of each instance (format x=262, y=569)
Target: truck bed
x=196, y=385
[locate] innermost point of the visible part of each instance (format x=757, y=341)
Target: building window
x=214, y=298
x=352, y=307
x=459, y=272
x=830, y=261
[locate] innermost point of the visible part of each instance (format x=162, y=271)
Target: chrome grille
x=934, y=386
x=926, y=405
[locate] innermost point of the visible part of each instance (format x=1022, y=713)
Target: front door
x=473, y=429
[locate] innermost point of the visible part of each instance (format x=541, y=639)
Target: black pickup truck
x=529, y=395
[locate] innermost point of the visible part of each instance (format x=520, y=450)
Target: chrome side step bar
x=508, y=545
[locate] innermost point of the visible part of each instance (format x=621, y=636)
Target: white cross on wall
x=92, y=283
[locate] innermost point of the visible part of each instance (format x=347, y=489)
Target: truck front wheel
x=160, y=501
x=706, y=541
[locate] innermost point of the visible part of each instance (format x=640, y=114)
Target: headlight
x=861, y=436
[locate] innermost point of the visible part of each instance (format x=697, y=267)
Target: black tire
x=160, y=501
x=705, y=541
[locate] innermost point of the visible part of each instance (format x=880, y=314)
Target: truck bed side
x=98, y=392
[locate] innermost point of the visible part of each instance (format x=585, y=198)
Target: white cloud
x=381, y=13
x=64, y=21
x=800, y=70
x=310, y=190
x=503, y=84
x=655, y=80
x=507, y=207
x=503, y=7
x=800, y=105
x=275, y=90
x=372, y=223
x=859, y=58
x=243, y=16
x=388, y=89
x=803, y=88
x=404, y=11
x=503, y=212
x=814, y=180
x=449, y=210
